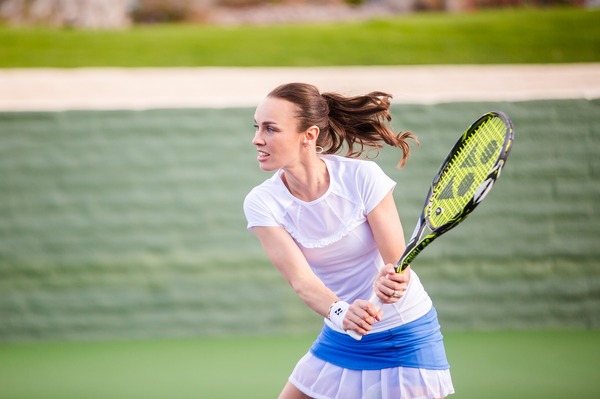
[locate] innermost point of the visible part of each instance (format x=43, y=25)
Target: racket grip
x=375, y=301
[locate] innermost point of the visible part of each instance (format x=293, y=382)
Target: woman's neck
x=307, y=182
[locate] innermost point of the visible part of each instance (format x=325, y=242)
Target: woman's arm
x=291, y=263
x=389, y=236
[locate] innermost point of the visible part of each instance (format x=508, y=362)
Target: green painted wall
x=129, y=224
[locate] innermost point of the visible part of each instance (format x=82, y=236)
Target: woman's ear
x=312, y=133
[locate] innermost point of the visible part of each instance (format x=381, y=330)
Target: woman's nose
x=257, y=139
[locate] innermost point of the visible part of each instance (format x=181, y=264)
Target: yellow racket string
x=468, y=168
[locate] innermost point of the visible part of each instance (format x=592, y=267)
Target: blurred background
x=126, y=269
x=115, y=14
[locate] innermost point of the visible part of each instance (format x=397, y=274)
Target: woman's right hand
x=361, y=316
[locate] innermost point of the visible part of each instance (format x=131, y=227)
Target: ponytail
x=359, y=123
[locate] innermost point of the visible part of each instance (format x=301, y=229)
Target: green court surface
x=532, y=364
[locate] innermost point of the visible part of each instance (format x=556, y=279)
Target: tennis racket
x=465, y=178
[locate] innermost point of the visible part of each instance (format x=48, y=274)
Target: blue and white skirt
x=408, y=361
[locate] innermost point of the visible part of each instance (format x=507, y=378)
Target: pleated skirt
x=408, y=361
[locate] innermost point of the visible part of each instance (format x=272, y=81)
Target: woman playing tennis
x=330, y=225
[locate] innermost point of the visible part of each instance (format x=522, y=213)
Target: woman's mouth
x=262, y=155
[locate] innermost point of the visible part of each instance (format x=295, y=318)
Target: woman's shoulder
x=352, y=166
x=349, y=162
x=269, y=191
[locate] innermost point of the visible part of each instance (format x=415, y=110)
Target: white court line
x=145, y=88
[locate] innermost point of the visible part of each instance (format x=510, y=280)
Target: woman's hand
x=390, y=286
x=361, y=316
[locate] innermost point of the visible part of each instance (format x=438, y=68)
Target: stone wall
x=129, y=224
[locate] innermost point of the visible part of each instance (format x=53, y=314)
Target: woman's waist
x=398, y=314
x=415, y=344
x=414, y=304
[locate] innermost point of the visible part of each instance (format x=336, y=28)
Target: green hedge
x=130, y=224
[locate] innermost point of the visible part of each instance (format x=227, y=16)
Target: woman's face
x=276, y=137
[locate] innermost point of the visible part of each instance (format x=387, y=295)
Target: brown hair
x=354, y=122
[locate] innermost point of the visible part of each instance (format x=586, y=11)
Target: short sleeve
x=374, y=185
x=256, y=209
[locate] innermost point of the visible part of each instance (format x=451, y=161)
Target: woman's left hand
x=390, y=286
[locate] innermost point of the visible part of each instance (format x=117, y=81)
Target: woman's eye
x=265, y=128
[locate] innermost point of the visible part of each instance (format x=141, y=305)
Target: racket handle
x=375, y=301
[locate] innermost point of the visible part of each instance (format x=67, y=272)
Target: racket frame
x=416, y=244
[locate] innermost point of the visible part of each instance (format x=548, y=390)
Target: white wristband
x=337, y=311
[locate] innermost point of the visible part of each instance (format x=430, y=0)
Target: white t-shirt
x=333, y=233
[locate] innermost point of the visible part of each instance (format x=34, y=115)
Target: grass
x=514, y=364
x=555, y=35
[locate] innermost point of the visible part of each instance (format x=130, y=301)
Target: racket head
x=466, y=176
x=469, y=171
